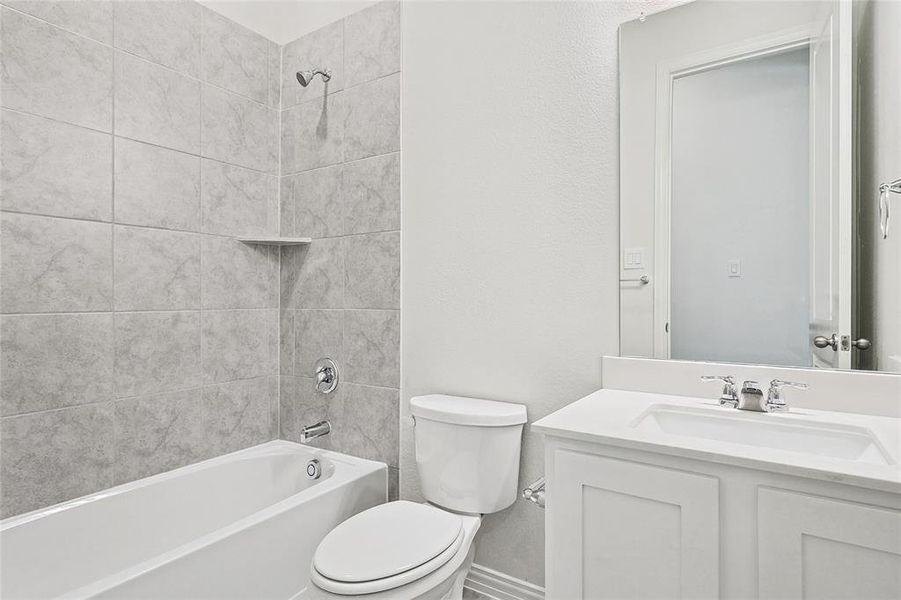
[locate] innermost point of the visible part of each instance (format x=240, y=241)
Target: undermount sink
x=829, y=440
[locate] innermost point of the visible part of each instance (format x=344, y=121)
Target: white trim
x=667, y=72
x=495, y=585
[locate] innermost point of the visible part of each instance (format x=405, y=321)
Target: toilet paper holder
x=534, y=492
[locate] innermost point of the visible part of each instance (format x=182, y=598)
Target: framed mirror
x=752, y=153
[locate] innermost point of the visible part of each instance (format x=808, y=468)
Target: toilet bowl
x=398, y=550
x=467, y=455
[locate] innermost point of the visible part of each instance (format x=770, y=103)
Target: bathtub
x=243, y=525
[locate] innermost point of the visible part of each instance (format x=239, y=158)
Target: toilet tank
x=467, y=451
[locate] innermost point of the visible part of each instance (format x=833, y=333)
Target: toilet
x=467, y=455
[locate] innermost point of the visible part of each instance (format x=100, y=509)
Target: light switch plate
x=633, y=258
x=733, y=268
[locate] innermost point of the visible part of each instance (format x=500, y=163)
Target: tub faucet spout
x=311, y=432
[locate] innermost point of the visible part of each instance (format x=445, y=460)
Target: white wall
x=879, y=130
x=510, y=219
x=740, y=193
x=285, y=20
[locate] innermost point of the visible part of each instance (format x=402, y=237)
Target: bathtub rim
x=355, y=469
x=258, y=450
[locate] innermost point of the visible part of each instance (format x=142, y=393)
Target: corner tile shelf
x=275, y=241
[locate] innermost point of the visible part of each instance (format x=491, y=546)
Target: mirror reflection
x=756, y=177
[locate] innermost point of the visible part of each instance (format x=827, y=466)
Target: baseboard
x=494, y=585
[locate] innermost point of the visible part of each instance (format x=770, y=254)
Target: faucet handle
x=728, y=397
x=774, y=400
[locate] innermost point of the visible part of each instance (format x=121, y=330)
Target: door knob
x=861, y=343
x=821, y=341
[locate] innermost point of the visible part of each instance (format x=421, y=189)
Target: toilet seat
x=386, y=547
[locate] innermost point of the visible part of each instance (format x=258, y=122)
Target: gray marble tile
x=301, y=405
x=324, y=49
x=235, y=57
x=239, y=131
x=238, y=275
x=313, y=276
x=286, y=206
x=156, y=269
x=156, y=105
x=53, y=456
x=393, y=484
x=235, y=345
x=286, y=342
x=273, y=324
x=274, y=407
x=55, y=265
x=157, y=352
x=372, y=267
x=318, y=202
x=372, y=118
x=372, y=347
x=41, y=174
x=52, y=361
x=365, y=423
x=90, y=18
x=54, y=73
x=317, y=334
x=372, y=46
x=275, y=75
x=236, y=414
x=166, y=32
x=156, y=186
x=313, y=135
x=158, y=433
x=371, y=193
x=238, y=201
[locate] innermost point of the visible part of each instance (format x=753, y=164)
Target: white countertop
x=609, y=417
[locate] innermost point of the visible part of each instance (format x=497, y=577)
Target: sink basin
x=830, y=440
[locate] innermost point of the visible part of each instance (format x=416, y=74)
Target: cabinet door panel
x=814, y=547
x=628, y=530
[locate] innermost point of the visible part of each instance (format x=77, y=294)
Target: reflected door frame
x=666, y=74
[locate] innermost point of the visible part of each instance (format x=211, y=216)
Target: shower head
x=305, y=77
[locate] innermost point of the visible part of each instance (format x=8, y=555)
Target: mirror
x=757, y=142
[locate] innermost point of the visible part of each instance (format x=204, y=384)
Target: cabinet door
x=814, y=547
x=620, y=529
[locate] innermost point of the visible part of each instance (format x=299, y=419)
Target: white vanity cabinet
x=633, y=513
x=632, y=524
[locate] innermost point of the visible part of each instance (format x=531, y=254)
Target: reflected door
x=831, y=204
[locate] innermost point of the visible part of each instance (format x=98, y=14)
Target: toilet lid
x=385, y=541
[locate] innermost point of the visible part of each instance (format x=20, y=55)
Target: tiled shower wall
x=137, y=335
x=340, y=185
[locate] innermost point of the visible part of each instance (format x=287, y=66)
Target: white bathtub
x=243, y=525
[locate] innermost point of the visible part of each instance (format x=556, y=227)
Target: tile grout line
x=112, y=133
x=202, y=224
x=176, y=390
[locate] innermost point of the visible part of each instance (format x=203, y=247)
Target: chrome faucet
x=728, y=397
x=774, y=400
x=311, y=432
x=751, y=395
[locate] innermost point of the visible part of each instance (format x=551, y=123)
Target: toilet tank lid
x=458, y=410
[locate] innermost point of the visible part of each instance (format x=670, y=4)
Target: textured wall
x=137, y=334
x=510, y=253
x=879, y=132
x=340, y=185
